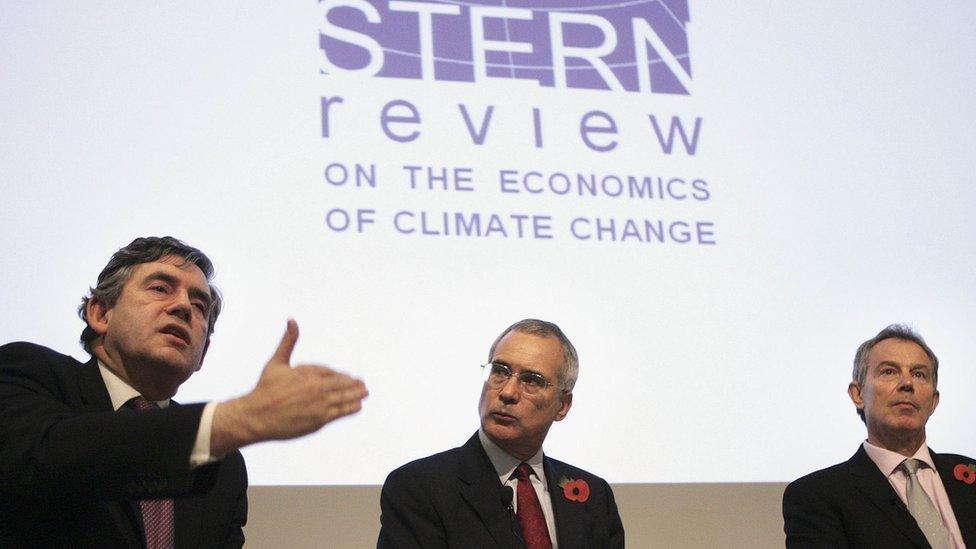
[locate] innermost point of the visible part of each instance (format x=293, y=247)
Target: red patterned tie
x=529, y=513
x=157, y=514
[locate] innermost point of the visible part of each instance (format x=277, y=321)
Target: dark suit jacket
x=852, y=504
x=454, y=499
x=72, y=470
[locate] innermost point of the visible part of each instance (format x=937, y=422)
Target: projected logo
x=632, y=45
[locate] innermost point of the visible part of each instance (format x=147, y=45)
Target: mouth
x=502, y=417
x=906, y=404
x=177, y=331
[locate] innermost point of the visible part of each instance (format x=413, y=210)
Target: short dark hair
x=892, y=331
x=543, y=328
x=119, y=269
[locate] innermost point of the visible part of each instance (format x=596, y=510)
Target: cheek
x=878, y=392
x=548, y=409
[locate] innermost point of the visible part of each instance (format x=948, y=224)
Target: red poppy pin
x=575, y=490
x=965, y=473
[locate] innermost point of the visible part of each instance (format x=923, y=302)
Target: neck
x=152, y=389
x=905, y=444
x=521, y=453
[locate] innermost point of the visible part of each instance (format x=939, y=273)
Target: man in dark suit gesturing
x=498, y=489
x=894, y=492
x=96, y=454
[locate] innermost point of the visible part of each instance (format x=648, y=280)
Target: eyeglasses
x=497, y=375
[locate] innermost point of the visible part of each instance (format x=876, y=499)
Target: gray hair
x=896, y=331
x=543, y=328
x=123, y=262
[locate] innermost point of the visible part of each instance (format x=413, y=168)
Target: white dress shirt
x=121, y=392
x=505, y=465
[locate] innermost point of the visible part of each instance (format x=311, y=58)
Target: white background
x=837, y=140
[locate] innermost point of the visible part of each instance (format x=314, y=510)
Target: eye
x=887, y=371
x=158, y=288
x=921, y=374
x=533, y=380
x=200, y=306
x=500, y=371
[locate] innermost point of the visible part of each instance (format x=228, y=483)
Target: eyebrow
x=510, y=367
x=193, y=291
x=915, y=366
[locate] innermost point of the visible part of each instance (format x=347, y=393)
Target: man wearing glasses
x=499, y=489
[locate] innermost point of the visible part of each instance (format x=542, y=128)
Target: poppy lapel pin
x=575, y=489
x=965, y=472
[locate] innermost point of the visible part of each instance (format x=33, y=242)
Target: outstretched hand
x=288, y=401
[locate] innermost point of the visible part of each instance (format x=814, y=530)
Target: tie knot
x=911, y=466
x=141, y=403
x=523, y=471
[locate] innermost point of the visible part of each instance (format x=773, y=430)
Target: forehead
x=171, y=266
x=898, y=351
x=542, y=354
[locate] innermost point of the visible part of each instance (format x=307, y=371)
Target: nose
x=510, y=391
x=907, y=383
x=181, y=307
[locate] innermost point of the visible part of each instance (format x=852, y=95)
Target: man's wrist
x=231, y=428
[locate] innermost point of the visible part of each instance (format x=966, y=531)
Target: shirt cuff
x=201, y=447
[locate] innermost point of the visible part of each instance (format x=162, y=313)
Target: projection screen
x=717, y=202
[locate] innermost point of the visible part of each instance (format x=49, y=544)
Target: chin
x=178, y=369
x=908, y=426
x=499, y=432
x=178, y=358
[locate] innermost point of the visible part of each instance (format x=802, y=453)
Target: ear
x=935, y=401
x=565, y=404
x=98, y=315
x=854, y=390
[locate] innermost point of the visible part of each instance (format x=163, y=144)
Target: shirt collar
x=504, y=463
x=118, y=390
x=888, y=461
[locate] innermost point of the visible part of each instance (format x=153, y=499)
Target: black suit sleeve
x=235, y=530
x=809, y=520
x=615, y=527
x=408, y=517
x=55, y=442
x=235, y=535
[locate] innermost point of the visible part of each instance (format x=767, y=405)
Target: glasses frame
x=488, y=368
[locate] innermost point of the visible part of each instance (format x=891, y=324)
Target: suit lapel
x=962, y=496
x=91, y=387
x=480, y=487
x=871, y=482
x=187, y=515
x=94, y=398
x=572, y=520
x=188, y=519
